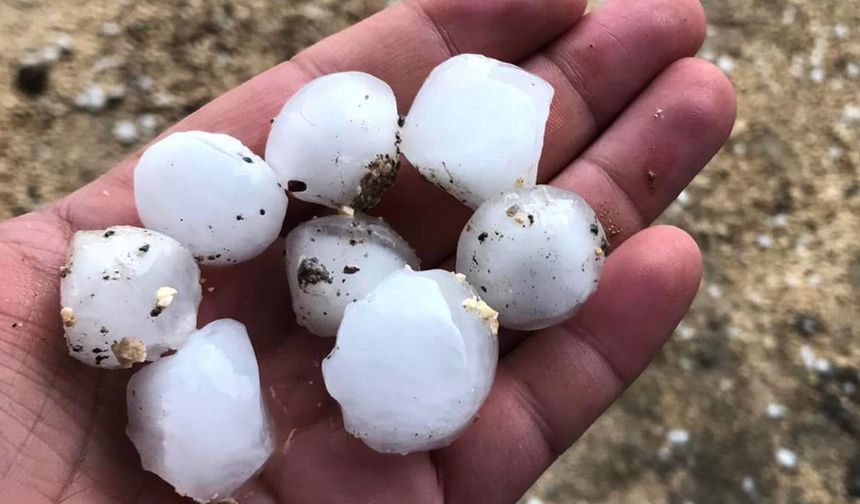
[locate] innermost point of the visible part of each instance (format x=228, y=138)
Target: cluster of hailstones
x=416, y=351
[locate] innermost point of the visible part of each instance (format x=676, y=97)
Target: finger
x=549, y=390
x=597, y=68
x=400, y=45
x=638, y=166
x=322, y=463
x=434, y=31
x=603, y=64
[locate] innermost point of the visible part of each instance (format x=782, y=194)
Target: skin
x=629, y=99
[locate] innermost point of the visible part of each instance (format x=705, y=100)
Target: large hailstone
x=210, y=193
x=476, y=128
x=197, y=417
x=535, y=254
x=414, y=361
x=127, y=295
x=334, y=261
x=335, y=142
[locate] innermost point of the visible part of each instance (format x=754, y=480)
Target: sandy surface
x=765, y=367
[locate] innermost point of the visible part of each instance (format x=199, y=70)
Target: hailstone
x=197, y=418
x=127, y=295
x=413, y=362
x=210, y=193
x=476, y=128
x=335, y=142
x=536, y=255
x=336, y=260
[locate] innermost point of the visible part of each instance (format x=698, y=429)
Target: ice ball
x=335, y=142
x=336, y=260
x=534, y=254
x=210, y=193
x=197, y=418
x=476, y=128
x=413, y=362
x=127, y=295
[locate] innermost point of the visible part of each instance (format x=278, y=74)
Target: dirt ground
x=756, y=397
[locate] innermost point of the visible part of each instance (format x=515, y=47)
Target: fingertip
x=486, y=26
x=677, y=263
x=647, y=287
x=687, y=18
x=707, y=100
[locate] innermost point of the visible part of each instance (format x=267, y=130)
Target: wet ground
x=756, y=397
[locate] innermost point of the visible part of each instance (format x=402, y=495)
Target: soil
x=756, y=397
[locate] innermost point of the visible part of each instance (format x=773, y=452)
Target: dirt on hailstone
x=755, y=398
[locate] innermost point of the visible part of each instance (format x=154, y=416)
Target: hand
x=634, y=119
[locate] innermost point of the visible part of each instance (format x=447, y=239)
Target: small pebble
x=807, y=325
x=110, y=29
x=64, y=43
x=31, y=76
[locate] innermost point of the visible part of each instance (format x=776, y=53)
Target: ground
x=755, y=399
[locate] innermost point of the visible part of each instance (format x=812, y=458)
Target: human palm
x=634, y=119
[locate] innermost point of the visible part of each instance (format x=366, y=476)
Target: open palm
x=634, y=119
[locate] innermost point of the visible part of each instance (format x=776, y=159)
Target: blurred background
x=755, y=398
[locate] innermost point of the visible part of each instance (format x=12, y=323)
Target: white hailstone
x=212, y=194
x=775, y=410
x=93, y=98
x=197, y=418
x=786, y=458
x=678, y=436
x=125, y=132
x=414, y=361
x=476, y=128
x=128, y=295
x=335, y=142
x=726, y=63
x=336, y=260
x=536, y=254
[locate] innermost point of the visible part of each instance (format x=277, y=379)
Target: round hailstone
x=128, y=295
x=414, y=361
x=336, y=260
x=197, y=417
x=212, y=194
x=535, y=255
x=335, y=142
x=476, y=128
